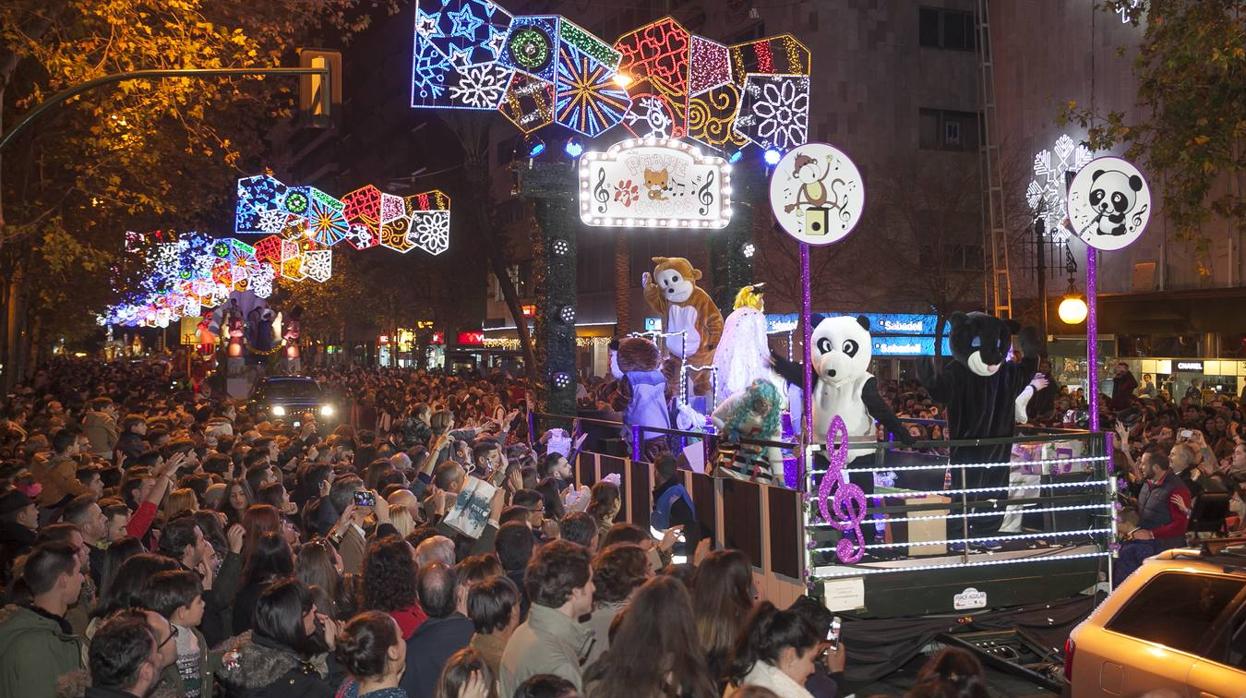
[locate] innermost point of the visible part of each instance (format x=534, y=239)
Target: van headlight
x=326, y=410
x=279, y=411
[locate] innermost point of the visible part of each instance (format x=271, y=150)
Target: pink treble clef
x=846, y=509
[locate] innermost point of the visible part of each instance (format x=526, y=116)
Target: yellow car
x=1177, y=623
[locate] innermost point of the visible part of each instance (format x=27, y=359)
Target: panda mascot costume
x=980, y=390
x=841, y=348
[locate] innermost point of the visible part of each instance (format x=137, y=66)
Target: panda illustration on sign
x=1113, y=195
x=842, y=348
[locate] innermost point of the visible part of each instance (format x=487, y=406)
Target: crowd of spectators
x=158, y=541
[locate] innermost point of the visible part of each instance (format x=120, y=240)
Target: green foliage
x=142, y=154
x=1192, y=108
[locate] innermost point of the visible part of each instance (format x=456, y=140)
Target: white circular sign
x=817, y=194
x=1109, y=203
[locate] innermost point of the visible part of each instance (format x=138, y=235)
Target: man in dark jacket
x=1123, y=386
x=446, y=631
x=19, y=521
x=1164, y=503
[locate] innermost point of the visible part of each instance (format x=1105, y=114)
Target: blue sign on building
x=895, y=334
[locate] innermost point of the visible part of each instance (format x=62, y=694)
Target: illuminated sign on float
x=817, y=194
x=654, y=183
x=653, y=324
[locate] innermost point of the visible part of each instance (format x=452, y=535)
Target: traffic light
x=320, y=96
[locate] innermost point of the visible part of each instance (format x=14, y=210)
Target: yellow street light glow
x=1072, y=310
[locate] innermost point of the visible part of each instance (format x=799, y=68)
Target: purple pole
x=1092, y=334
x=806, y=316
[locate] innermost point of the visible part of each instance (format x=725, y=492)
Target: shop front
x=1182, y=377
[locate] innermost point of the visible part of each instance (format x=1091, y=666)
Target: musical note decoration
x=841, y=503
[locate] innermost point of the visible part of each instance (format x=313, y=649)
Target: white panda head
x=842, y=348
x=1113, y=192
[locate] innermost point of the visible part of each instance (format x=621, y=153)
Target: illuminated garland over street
x=183, y=277
x=659, y=80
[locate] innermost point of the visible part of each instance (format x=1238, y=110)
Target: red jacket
x=1180, y=520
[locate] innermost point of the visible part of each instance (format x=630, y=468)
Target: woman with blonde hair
x=180, y=500
x=400, y=517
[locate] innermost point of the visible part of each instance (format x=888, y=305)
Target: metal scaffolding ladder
x=998, y=288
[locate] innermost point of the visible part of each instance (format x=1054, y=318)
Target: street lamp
x=1073, y=309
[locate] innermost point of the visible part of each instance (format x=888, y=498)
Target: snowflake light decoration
x=429, y=70
x=774, y=111
x=1047, y=193
x=430, y=231
x=318, y=265
x=479, y=86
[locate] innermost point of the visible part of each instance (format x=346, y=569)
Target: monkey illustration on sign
x=814, y=190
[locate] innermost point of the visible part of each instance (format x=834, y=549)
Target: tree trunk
x=13, y=326
x=622, y=283
x=474, y=139
x=516, y=310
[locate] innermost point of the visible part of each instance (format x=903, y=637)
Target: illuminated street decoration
x=478, y=86
x=1046, y=192
x=587, y=98
x=326, y=224
x=776, y=55
x=467, y=32
x=259, y=204
x=362, y=210
x=652, y=183
x=709, y=64
x=429, y=214
x=528, y=102
x=531, y=46
x=774, y=111
x=659, y=80
x=656, y=57
x=712, y=118
x=572, y=34
x=318, y=265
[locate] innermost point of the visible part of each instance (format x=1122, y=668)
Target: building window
x=939, y=27
x=944, y=129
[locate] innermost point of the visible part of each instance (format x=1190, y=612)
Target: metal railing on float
x=926, y=515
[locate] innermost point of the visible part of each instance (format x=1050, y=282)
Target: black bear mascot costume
x=979, y=389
